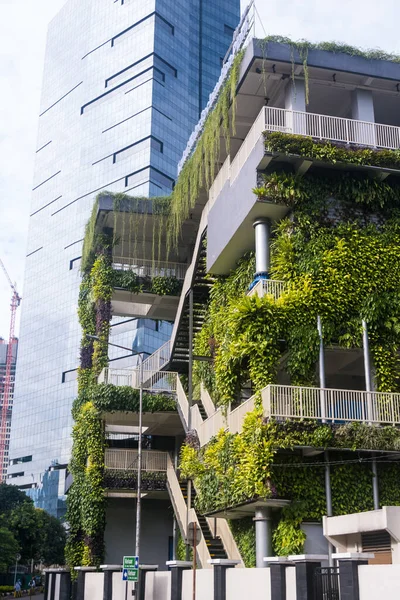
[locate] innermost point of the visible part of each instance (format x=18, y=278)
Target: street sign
x=194, y=534
x=130, y=575
x=130, y=568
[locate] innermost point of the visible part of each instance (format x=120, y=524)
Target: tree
x=8, y=549
x=10, y=498
x=53, y=539
x=23, y=522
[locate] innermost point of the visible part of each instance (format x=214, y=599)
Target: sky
x=23, y=25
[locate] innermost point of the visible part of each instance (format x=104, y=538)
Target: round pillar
x=263, y=525
x=262, y=228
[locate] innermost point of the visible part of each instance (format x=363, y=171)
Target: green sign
x=130, y=568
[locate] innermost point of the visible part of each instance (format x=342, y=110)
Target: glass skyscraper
x=124, y=83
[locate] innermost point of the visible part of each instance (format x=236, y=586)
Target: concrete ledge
x=184, y=564
x=223, y=562
x=148, y=567
x=307, y=557
x=55, y=570
x=353, y=555
x=278, y=560
x=111, y=567
x=84, y=569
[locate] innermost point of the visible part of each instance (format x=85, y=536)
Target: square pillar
x=220, y=566
x=65, y=584
x=362, y=109
x=108, y=579
x=305, y=574
x=295, y=103
x=277, y=566
x=348, y=573
x=177, y=567
x=80, y=582
x=141, y=585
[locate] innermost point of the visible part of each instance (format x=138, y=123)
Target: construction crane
x=7, y=386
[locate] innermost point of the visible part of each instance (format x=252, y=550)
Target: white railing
x=126, y=460
x=149, y=268
x=155, y=381
x=223, y=176
x=335, y=129
x=159, y=358
x=248, y=145
x=268, y=287
x=183, y=515
x=331, y=405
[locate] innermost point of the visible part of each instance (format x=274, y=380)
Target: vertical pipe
x=375, y=484
x=322, y=383
x=139, y=476
x=328, y=496
x=263, y=526
x=367, y=370
x=262, y=228
x=190, y=401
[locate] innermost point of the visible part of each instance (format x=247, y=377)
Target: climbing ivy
x=261, y=462
x=330, y=152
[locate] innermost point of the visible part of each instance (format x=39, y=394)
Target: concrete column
x=277, y=566
x=177, y=567
x=46, y=585
x=305, y=574
x=348, y=573
x=262, y=520
x=362, y=105
x=262, y=228
x=295, y=100
x=220, y=566
x=367, y=370
x=80, y=583
x=108, y=579
x=141, y=585
x=362, y=109
x=322, y=382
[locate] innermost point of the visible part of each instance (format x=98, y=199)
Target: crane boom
x=7, y=386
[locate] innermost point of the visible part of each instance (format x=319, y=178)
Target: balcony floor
x=145, y=305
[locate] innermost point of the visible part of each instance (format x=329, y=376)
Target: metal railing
x=335, y=129
x=159, y=358
x=155, y=381
x=126, y=460
x=331, y=405
x=268, y=287
x=149, y=268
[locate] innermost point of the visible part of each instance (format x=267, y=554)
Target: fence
x=149, y=268
x=125, y=460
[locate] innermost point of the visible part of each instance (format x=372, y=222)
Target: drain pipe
x=368, y=387
x=262, y=229
x=322, y=382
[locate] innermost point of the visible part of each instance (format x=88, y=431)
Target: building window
x=69, y=376
x=19, y=474
x=74, y=264
x=21, y=459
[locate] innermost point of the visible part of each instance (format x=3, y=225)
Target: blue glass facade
x=124, y=83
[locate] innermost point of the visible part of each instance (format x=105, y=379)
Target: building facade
x=4, y=346
x=124, y=83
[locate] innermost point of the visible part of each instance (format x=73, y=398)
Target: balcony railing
x=153, y=381
x=126, y=460
x=335, y=129
x=268, y=287
x=149, y=268
x=331, y=405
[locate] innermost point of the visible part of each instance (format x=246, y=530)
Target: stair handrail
x=183, y=516
x=206, y=401
x=224, y=532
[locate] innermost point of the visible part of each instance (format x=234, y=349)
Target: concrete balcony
x=268, y=287
x=120, y=473
x=148, y=268
x=146, y=304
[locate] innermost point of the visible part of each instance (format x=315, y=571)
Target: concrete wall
x=118, y=588
x=291, y=583
x=94, y=583
x=315, y=543
x=246, y=583
x=204, y=585
x=379, y=581
x=155, y=530
x=158, y=586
